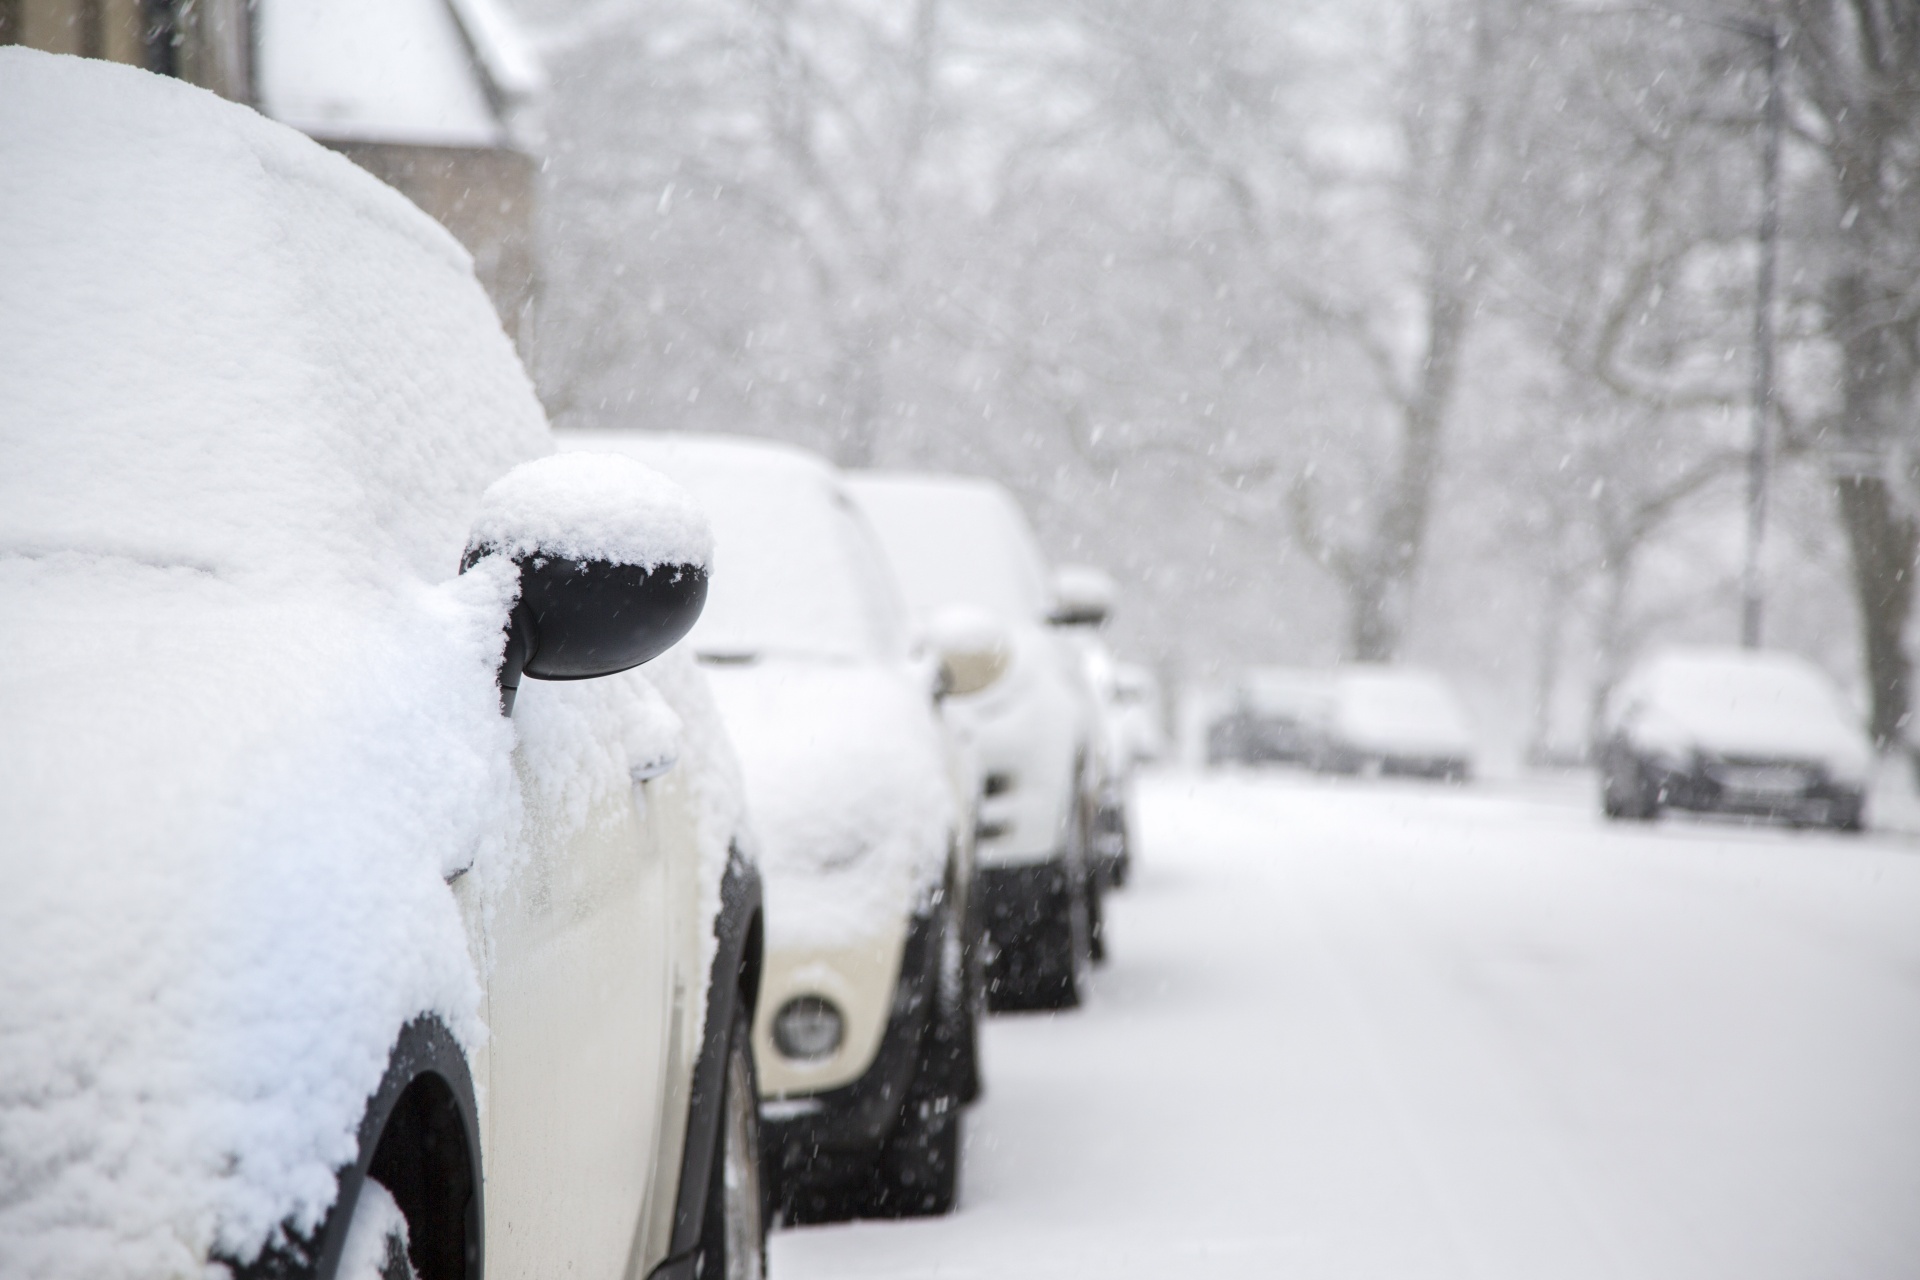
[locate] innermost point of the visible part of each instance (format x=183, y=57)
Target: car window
x=957, y=544
x=873, y=581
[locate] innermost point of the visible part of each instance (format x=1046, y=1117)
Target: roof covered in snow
x=252, y=399
x=443, y=72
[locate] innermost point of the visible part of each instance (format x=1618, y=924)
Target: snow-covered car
x=866, y=1038
x=1138, y=709
x=1277, y=715
x=1110, y=835
x=1392, y=720
x=955, y=541
x=332, y=948
x=1733, y=731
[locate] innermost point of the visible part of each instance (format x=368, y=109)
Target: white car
x=866, y=1038
x=1392, y=720
x=1140, y=711
x=318, y=963
x=954, y=541
x=1734, y=731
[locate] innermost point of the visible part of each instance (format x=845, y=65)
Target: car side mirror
x=1082, y=596
x=973, y=650
x=612, y=560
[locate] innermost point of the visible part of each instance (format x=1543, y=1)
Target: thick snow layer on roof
x=1399, y=709
x=593, y=506
x=795, y=571
x=1741, y=703
x=252, y=399
x=376, y=70
x=954, y=540
x=848, y=794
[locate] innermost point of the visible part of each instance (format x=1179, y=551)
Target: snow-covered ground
x=1407, y=1031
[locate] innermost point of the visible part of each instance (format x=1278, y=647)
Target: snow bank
x=594, y=506
x=253, y=398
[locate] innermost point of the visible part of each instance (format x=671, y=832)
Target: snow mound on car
x=594, y=506
x=846, y=792
x=252, y=399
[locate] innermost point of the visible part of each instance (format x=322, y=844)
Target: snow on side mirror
x=973, y=649
x=613, y=560
x=1082, y=596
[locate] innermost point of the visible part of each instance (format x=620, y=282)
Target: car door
x=579, y=1002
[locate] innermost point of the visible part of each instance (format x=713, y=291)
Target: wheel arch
x=419, y=1137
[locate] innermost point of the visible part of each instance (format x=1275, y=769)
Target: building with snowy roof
x=434, y=97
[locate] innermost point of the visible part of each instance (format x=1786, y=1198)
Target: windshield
x=953, y=541
x=795, y=571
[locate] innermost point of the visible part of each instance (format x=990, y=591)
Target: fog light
x=808, y=1028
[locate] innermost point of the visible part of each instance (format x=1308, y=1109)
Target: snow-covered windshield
x=1399, y=707
x=956, y=541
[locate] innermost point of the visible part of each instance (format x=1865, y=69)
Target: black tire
x=733, y=1239
x=1848, y=814
x=919, y=1174
x=1625, y=790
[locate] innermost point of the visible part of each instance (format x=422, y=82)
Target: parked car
x=957, y=541
x=1139, y=710
x=1734, y=731
x=866, y=1040
x=1392, y=720
x=330, y=945
x=1276, y=715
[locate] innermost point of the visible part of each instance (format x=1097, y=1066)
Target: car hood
x=848, y=791
x=230, y=808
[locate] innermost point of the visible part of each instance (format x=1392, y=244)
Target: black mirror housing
x=581, y=619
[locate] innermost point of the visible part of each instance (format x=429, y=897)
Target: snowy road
x=1402, y=1031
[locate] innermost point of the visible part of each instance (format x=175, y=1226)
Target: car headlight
x=808, y=1028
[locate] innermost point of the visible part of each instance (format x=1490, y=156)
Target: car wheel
x=733, y=1242
x=1848, y=813
x=376, y=1245
x=920, y=1166
x=1626, y=792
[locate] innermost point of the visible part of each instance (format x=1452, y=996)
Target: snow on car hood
x=847, y=790
x=1739, y=703
x=251, y=398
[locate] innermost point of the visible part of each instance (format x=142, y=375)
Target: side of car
x=390, y=964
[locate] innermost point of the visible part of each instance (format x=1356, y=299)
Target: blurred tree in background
x=1336, y=329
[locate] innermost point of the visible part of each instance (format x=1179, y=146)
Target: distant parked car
x=955, y=541
x=1111, y=836
x=364, y=909
x=866, y=1037
x=1734, y=731
x=1138, y=708
x=1276, y=715
x=1393, y=720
